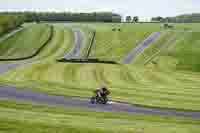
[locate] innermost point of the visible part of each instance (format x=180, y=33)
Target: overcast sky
x=143, y=8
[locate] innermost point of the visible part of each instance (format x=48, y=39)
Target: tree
x=157, y=19
x=128, y=18
x=135, y=19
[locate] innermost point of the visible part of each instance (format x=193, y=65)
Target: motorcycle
x=99, y=100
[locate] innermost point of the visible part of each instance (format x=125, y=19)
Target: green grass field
x=25, y=43
x=61, y=43
x=171, y=82
x=158, y=44
x=114, y=45
x=147, y=86
x=23, y=118
x=9, y=22
x=184, y=52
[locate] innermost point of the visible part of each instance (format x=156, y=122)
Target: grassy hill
x=26, y=42
x=9, y=22
x=114, y=45
x=24, y=118
x=153, y=49
x=153, y=85
x=143, y=86
x=182, y=55
x=186, y=52
x=60, y=44
x=172, y=81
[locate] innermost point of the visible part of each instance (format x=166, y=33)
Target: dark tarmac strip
x=6, y=67
x=23, y=96
x=12, y=33
x=140, y=48
x=79, y=43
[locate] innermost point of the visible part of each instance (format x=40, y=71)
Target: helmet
x=104, y=89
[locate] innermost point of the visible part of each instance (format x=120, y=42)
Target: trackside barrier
x=91, y=44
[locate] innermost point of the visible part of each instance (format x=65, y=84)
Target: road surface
x=11, y=93
x=79, y=44
x=6, y=67
x=6, y=36
x=140, y=48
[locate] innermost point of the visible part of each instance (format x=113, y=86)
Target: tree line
x=185, y=18
x=130, y=19
x=68, y=16
x=10, y=22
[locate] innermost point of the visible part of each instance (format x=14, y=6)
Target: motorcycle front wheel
x=93, y=100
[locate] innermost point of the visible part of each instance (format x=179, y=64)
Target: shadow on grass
x=86, y=61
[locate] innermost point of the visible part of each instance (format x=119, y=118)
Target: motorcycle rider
x=102, y=92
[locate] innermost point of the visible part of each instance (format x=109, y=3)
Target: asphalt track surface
x=5, y=37
x=11, y=93
x=6, y=67
x=26, y=96
x=79, y=43
x=140, y=48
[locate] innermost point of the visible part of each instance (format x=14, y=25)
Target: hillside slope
x=26, y=42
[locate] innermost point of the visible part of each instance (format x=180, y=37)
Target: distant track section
x=79, y=44
x=140, y=48
x=171, y=41
x=12, y=33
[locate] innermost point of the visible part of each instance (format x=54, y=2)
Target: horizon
x=124, y=8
